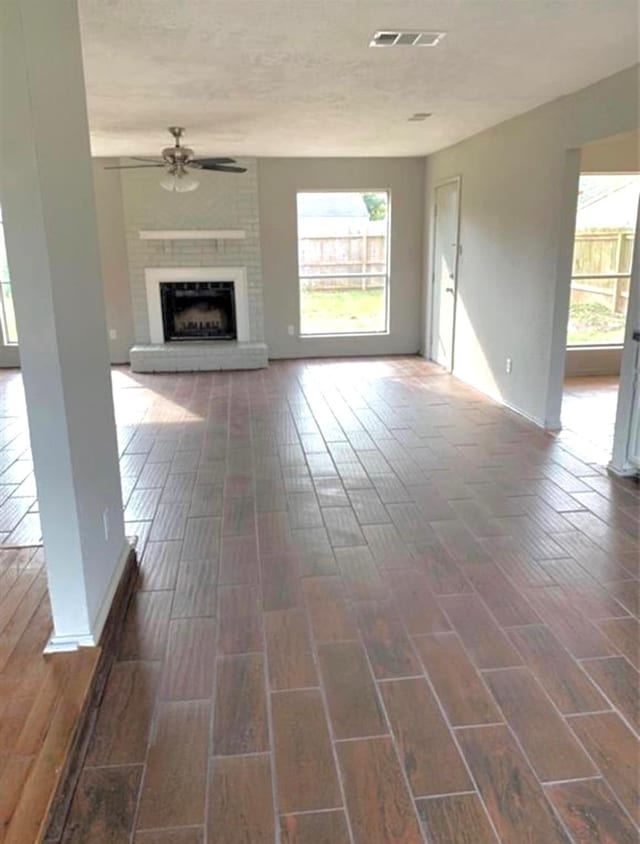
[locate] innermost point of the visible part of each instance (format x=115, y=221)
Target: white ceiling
x=296, y=77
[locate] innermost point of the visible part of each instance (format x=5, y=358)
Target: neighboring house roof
x=608, y=202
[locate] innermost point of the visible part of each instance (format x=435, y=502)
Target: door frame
x=622, y=462
x=569, y=187
x=457, y=180
x=619, y=463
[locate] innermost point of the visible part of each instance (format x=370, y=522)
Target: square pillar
x=46, y=191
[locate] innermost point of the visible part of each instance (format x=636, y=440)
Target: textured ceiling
x=296, y=77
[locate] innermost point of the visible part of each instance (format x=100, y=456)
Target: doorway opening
x=444, y=280
x=600, y=286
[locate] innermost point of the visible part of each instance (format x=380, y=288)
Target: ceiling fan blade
x=223, y=168
x=203, y=161
x=148, y=160
x=132, y=166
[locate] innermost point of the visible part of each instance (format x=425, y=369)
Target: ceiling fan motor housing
x=177, y=155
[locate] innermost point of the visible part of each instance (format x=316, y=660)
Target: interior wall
x=620, y=154
x=601, y=361
x=113, y=259
x=9, y=356
x=279, y=181
x=519, y=181
x=114, y=266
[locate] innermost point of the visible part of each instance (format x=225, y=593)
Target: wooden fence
x=602, y=267
x=344, y=262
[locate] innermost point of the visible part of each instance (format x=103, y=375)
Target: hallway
x=373, y=607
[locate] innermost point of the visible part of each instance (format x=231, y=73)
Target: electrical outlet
x=113, y=334
x=509, y=366
x=290, y=330
x=105, y=524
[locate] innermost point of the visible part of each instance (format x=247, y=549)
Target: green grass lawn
x=594, y=336
x=593, y=324
x=342, y=311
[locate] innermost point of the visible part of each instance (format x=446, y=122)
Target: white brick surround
x=154, y=276
x=223, y=201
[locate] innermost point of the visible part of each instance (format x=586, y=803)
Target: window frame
x=386, y=275
x=4, y=323
x=619, y=276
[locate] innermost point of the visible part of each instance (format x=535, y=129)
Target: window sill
x=350, y=335
x=596, y=348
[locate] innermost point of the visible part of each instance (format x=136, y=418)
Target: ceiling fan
x=179, y=164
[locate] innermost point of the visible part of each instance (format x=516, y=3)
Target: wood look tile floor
x=41, y=697
x=373, y=608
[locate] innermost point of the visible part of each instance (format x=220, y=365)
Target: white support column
x=50, y=226
x=566, y=226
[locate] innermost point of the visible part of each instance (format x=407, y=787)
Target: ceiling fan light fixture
x=179, y=180
x=185, y=183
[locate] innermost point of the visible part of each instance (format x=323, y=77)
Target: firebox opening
x=198, y=310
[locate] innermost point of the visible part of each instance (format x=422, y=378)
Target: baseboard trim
x=497, y=398
x=626, y=471
x=114, y=584
x=553, y=425
x=109, y=645
x=69, y=643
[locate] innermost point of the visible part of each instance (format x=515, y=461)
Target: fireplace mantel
x=192, y=234
x=155, y=275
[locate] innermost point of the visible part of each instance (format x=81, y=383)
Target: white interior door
x=445, y=271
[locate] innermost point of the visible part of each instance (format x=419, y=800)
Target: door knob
x=449, y=289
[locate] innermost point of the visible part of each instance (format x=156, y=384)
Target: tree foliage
x=376, y=205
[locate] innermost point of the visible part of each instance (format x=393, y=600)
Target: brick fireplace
x=209, y=237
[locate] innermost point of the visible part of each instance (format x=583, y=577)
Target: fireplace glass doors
x=198, y=310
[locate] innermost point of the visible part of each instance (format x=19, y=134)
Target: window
x=343, y=257
x=7, y=315
x=603, y=249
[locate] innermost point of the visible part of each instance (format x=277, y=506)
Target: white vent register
x=412, y=38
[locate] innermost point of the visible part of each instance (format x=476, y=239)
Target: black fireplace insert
x=198, y=310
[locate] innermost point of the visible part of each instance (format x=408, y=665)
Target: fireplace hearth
x=198, y=310
x=220, y=335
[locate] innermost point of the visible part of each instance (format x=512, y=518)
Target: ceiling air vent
x=429, y=39
x=412, y=38
x=407, y=39
x=384, y=39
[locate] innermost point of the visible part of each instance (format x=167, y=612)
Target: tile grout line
x=391, y=734
x=214, y=686
x=153, y=726
x=452, y=733
x=265, y=658
x=516, y=738
x=325, y=708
